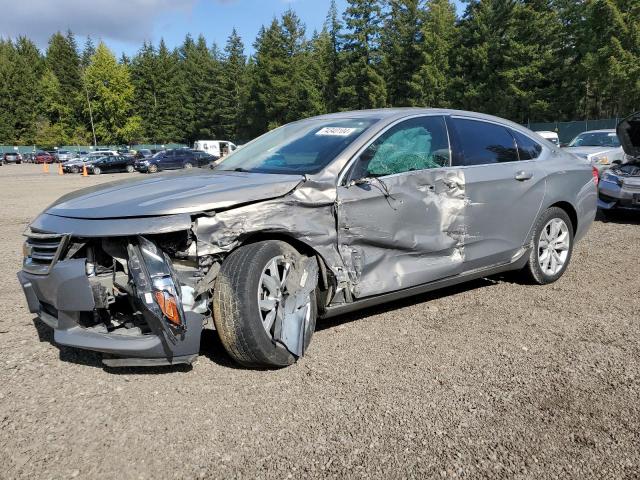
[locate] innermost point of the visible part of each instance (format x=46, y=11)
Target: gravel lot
x=487, y=380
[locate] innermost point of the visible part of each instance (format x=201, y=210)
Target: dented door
x=401, y=210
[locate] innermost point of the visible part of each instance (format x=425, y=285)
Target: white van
x=551, y=136
x=217, y=148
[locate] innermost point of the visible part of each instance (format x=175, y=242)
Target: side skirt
x=340, y=309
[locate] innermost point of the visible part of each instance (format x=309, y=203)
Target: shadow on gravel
x=406, y=302
x=620, y=217
x=211, y=347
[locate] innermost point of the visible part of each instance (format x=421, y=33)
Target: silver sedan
x=316, y=218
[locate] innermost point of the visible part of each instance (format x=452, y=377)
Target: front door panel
x=402, y=230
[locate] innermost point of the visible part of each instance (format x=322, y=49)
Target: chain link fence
x=89, y=148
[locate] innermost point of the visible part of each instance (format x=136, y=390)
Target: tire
x=544, y=225
x=74, y=170
x=130, y=169
x=97, y=171
x=188, y=165
x=237, y=315
x=152, y=168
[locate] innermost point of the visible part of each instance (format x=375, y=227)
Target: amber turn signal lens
x=168, y=305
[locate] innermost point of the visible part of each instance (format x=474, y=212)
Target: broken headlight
x=156, y=284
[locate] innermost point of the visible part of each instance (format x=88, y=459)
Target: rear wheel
x=248, y=303
x=552, y=246
x=74, y=170
x=130, y=169
x=188, y=165
x=97, y=171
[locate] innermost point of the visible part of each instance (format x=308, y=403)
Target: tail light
x=596, y=175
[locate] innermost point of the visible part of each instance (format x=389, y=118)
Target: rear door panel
x=504, y=200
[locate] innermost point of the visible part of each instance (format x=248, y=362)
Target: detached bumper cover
x=59, y=297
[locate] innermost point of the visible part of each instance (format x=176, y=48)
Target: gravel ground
x=492, y=379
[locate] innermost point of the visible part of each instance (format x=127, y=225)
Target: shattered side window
x=416, y=144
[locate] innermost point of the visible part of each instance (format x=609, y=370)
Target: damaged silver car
x=316, y=218
x=620, y=186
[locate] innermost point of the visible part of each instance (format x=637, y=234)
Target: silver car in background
x=316, y=218
x=601, y=148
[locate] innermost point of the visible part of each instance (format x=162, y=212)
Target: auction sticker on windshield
x=336, y=131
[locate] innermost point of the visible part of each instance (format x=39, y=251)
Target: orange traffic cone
x=84, y=171
x=60, y=171
x=45, y=167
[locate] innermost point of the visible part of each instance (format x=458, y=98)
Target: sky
x=124, y=24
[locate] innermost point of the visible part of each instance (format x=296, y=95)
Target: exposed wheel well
x=573, y=215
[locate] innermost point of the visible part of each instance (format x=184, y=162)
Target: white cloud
x=129, y=21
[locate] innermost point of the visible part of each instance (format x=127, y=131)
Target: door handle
x=521, y=176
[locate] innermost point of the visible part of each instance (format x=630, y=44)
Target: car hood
x=628, y=131
x=170, y=193
x=588, y=151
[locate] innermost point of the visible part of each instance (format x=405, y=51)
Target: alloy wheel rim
x=272, y=292
x=553, y=246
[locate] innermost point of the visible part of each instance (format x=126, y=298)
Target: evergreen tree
x=401, y=41
x=7, y=80
x=88, y=51
x=170, y=96
x=360, y=83
x=63, y=60
x=430, y=84
x=612, y=61
x=144, y=76
x=111, y=94
x=231, y=97
x=201, y=74
x=327, y=52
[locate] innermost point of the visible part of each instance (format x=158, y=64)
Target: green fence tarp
x=567, y=131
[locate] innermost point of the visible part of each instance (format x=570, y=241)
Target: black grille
x=42, y=251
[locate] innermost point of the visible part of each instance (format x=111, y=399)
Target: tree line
x=526, y=60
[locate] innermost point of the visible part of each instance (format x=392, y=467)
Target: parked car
x=599, y=147
x=12, y=157
x=76, y=165
x=172, y=160
x=44, y=157
x=550, y=136
x=316, y=218
x=143, y=153
x=64, y=155
x=110, y=164
x=620, y=186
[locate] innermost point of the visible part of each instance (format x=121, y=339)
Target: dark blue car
x=173, y=160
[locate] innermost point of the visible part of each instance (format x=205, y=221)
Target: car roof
x=390, y=114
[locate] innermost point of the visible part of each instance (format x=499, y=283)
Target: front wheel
x=250, y=295
x=188, y=165
x=97, y=171
x=130, y=169
x=552, y=246
x=152, y=169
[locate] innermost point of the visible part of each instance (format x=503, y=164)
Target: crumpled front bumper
x=58, y=299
